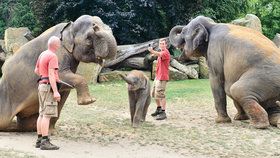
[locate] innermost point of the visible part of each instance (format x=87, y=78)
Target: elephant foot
x=86, y=101
x=239, y=116
x=260, y=123
x=222, y=119
x=274, y=119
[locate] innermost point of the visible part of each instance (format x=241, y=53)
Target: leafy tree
x=269, y=13
x=17, y=14
x=136, y=21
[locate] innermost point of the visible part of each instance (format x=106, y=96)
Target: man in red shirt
x=47, y=69
x=162, y=76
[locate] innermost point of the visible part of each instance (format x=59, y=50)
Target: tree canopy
x=134, y=21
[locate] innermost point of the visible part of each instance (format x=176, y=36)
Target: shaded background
x=135, y=21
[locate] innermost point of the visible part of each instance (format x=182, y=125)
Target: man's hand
x=56, y=96
x=150, y=49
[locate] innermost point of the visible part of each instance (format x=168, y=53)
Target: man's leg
x=39, y=132
x=45, y=143
x=45, y=126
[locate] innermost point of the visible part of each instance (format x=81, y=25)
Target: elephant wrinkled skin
x=87, y=39
x=139, y=96
x=243, y=64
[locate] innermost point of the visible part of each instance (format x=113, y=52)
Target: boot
x=47, y=145
x=158, y=111
x=161, y=116
x=38, y=142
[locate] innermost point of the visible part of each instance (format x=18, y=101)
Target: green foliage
x=18, y=14
x=269, y=13
x=139, y=20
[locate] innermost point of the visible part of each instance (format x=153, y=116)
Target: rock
x=114, y=75
x=203, y=68
x=276, y=40
x=251, y=21
x=14, y=39
x=89, y=71
x=174, y=74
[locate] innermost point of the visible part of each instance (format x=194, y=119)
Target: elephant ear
x=67, y=37
x=199, y=35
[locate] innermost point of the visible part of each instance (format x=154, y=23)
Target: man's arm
x=153, y=52
x=52, y=80
x=37, y=68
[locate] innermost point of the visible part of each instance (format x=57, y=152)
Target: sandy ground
x=23, y=145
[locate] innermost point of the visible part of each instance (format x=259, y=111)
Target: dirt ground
x=103, y=129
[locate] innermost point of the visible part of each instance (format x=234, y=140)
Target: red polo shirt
x=47, y=60
x=163, y=61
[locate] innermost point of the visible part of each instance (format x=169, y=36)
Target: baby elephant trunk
x=127, y=80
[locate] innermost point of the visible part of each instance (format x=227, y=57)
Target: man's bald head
x=53, y=43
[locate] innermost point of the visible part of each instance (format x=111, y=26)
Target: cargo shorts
x=158, y=89
x=48, y=105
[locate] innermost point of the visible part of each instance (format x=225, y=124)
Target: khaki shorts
x=47, y=103
x=158, y=90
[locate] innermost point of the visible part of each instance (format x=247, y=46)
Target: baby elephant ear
x=67, y=37
x=199, y=35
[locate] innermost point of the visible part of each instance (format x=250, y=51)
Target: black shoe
x=158, y=111
x=38, y=142
x=161, y=116
x=47, y=145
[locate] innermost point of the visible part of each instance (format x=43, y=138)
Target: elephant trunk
x=175, y=36
x=109, y=49
x=128, y=80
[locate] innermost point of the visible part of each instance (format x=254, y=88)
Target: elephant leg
x=27, y=124
x=241, y=115
x=132, y=104
x=138, y=111
x=274, y=115
x=148, y=101
x=241, y=92
x=274, y=119
x=53, y=121
x=6, y=125
x=220, y=99
x=81, y=86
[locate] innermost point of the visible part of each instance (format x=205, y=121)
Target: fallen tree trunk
x=135, y=63
x=188, y=70
x=127, y=51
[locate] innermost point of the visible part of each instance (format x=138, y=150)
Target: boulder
x=203, y=68
x=251, y=21
x=89, y=71
x=276, y=40
x=14, y=39
x=175, y=74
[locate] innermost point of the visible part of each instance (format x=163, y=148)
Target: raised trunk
x=110, y=50
x=175, y=36
x=128, y=80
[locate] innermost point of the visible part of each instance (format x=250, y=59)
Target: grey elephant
x=139, y=96
x=87, y=39
x=243, y=64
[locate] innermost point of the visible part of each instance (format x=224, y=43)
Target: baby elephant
x=139, y=95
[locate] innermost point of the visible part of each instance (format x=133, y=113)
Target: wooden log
x=135, y=63
x=127, y=51
x=188, y=70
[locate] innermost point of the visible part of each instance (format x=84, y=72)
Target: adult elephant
x=243, y=64
x=87, y=39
